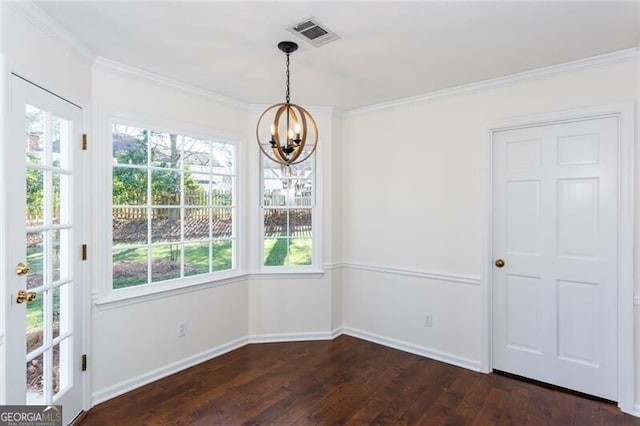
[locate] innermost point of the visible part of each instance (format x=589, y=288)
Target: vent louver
x=312, y=32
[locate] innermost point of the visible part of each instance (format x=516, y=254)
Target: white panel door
x=43, y=226
x=555, y=228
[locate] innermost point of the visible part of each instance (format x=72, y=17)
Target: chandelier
x=293, y=130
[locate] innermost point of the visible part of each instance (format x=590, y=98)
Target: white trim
x=559, y=117
x=109, y=298
x=294, y=275
x=167, y=370
x=439, y=276
x=105, y=304
x=87, y=266
x=118, y=301
x=331, y=266
x=166, y=82
x=636, y=301
x=39, y=19
x=4, y=283
x=625, y=112
x=337, y=332
x=577, y=65
x=626, y=256
x=290, y=337
x=424, y=351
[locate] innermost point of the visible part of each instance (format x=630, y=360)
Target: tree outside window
x=173, y=206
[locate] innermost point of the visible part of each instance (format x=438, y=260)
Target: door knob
x=25, y=296
x=22, y=269
x=499, y=263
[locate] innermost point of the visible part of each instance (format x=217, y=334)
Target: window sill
x=117, y=299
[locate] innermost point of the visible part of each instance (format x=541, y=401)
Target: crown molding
x=332, y=110
x=567, y=67
x=165, y=82
x=45, y=23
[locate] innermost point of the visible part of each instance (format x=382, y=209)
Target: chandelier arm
x=279, y=157
x=303, y=135
x=278, y=149
x=298, y=149
x=316, y=134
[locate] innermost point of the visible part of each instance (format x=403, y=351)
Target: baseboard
x=167, y=370
x=336, y=332
x=290, y=337
x=470, y=364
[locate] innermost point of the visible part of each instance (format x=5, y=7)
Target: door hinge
x=84, y=252
x=84, y=362
x=84, y=141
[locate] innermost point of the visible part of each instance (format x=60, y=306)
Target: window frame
x=105, y=294
x=316, y=222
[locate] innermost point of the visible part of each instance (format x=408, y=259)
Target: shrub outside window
x=173, y=206
x=288, y=203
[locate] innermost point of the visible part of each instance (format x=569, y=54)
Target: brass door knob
x=22, y=269
x=25, y=296
x=499, y=263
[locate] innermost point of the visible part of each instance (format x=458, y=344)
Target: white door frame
x=625, y=114
x=7, y=68
x=4, y=96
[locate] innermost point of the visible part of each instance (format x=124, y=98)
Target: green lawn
x=35, y=311
x=165, y=261
x=275, y=251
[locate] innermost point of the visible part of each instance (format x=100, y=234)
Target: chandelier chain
x=288, y=97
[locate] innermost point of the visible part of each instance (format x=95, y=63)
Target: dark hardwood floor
x=345, y=381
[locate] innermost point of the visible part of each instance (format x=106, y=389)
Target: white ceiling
x=387, y=50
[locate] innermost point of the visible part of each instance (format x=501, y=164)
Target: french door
x=555, y=241
x=44, y=271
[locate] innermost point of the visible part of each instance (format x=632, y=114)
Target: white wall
x=31, y=50
x=299, y=306
x=42, y=56
x=296, y=308
x=413, y=206
x=138, y=343
x=332, y=172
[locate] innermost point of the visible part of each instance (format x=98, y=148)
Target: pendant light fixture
x=293, y=130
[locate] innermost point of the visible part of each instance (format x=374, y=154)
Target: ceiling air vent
x=312, y=32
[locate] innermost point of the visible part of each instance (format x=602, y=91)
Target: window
x=288, y=211
x=173, y=206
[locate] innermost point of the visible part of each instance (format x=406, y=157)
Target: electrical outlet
x=182, y=328
x=428, y=320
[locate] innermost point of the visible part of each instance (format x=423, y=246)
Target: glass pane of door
x=49, y=334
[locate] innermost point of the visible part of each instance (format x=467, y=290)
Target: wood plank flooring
x=345, y=381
